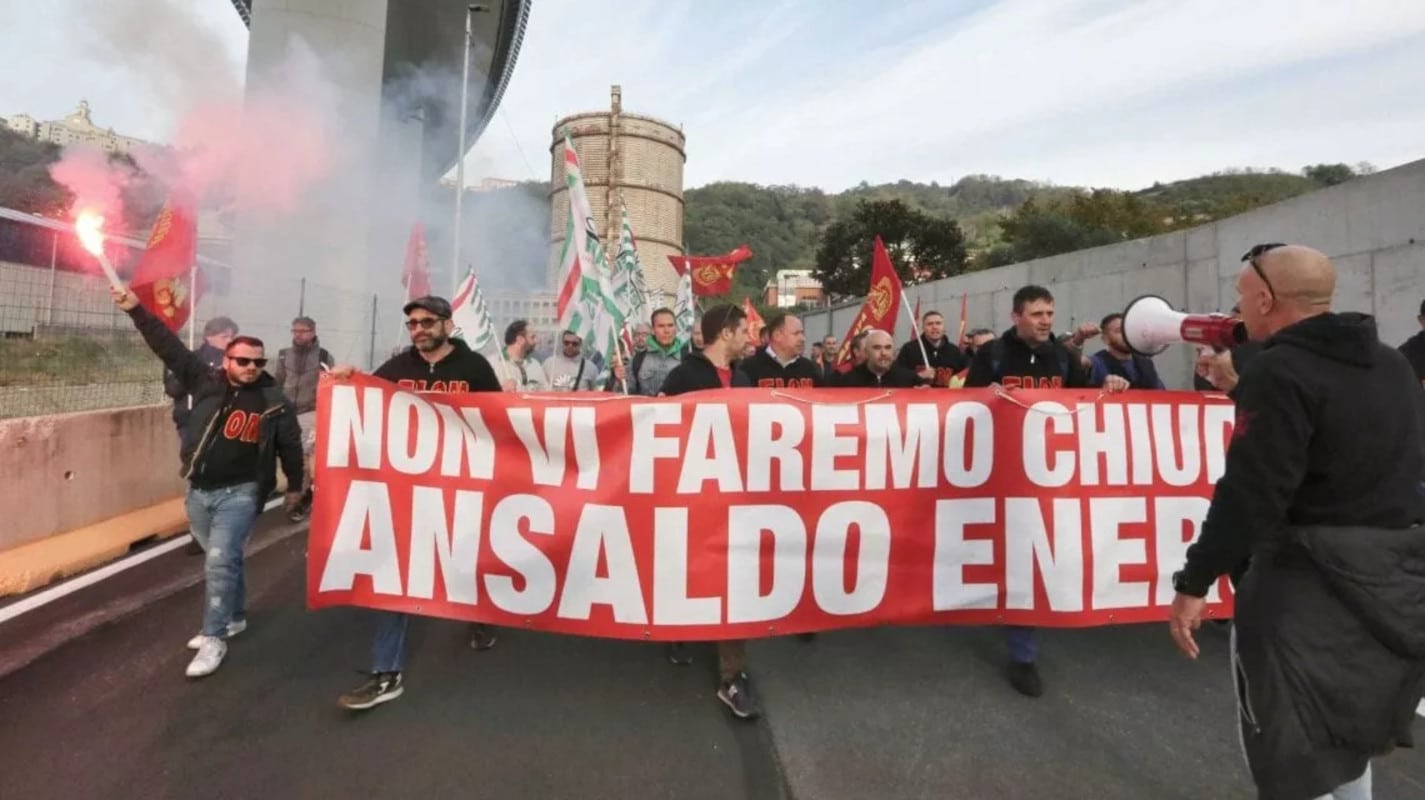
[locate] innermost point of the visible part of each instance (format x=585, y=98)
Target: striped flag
x=683, y=308
x=630, y=289
x=472, y=317
x=582, y=258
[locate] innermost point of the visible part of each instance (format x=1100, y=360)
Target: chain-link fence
x=65, y=347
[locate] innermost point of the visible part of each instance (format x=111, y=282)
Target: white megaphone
x=1150, y=325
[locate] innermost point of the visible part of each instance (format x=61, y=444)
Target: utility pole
x=470, y=12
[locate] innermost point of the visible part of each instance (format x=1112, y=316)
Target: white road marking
x=89, y=579
x=1420, y=709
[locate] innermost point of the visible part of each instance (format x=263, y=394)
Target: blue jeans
x=222, y=520
x=1023, y=648
x=388, y=649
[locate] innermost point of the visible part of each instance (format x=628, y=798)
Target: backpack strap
x=633, y=368
x=580, y=374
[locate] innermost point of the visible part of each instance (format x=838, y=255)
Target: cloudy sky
x=830, y=93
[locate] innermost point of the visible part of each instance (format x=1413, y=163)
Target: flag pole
x=460, y=156
x=192, y=302
x=915, y=328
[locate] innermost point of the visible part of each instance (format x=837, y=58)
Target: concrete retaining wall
x=1373, y=227
x=63, y=472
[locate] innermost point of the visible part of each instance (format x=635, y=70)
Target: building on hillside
x=75, y=128
x=793, y=288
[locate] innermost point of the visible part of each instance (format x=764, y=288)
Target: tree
x=922, y=247
x=1329, y=174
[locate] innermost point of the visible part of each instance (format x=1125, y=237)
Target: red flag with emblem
x=755, y=323
x=164, y=280
x=712, y=275
x=416, y=276
x=882, y=306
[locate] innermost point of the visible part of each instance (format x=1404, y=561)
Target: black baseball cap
x=438, y=306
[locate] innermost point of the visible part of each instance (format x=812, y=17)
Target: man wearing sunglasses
x=1321, y=500
x=241, y=423
x=435, y=362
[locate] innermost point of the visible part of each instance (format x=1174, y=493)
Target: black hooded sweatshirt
x=945, y=358
x=764, y=370
x=462, y=370
x=1322, y=494
x=697, y=373
x=1414, y=352
x=861, y=377
x=1330, y=431
x=1012, y=363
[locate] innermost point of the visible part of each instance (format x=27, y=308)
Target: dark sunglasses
x=249, y=362
x=424, y=323
x=1255, y=253
x=572, y=342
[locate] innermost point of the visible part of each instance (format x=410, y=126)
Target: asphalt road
x=892, y=712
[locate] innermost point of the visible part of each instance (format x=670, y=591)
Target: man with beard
x=945, y=359
x=714, y=367
x=879, y=368
x=1322, y=497
x=1116, y=359
x=435, y=362
x=299, y=368
x=239, y=426
x=1028, y=355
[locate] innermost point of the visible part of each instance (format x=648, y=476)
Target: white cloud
x=1069, y=92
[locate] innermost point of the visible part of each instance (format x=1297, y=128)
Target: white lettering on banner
x=602, y=530
x=671, y=603
x=454, y=543
x=1217, y=423
x=1037, y=469
x=367, y=505
x=916, y=451
x=1102, y=443
x=969, y=421
x=586, y=447
x=546, y=455
x=466, y=439
x=711, y=430
x=764, y=421
x=1184, y=436
x=355, y=426
x=953, y=552
x=411, y=446
x=829, y=558
x=1178, y=521
x=511, y=517
x=648, y=446
x=827, y=445
x=745, y=526
x=1028, y=548
x=1140, y=444
x=1112, y=552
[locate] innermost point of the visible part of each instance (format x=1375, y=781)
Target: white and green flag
x=585, y=302
x=683, y=308
x=472, y=317
x=630, y=289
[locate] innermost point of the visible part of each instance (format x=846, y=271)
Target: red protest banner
x=746, y=513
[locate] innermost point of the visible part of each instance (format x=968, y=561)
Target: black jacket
x=861, y=377
x=181, y=394
x=764, y=370
x=945, y=358
x=697, y=373
x=1145, y=373
x=1012, y=363
x=1322, y=486
x=279, y=435
x=462, y=370
x=1414, y=352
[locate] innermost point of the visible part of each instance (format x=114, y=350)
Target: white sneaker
x=210, y=654
x=234, y=628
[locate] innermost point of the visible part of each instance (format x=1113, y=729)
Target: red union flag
x=882, y=306
x=415, y=275
x=712, y=275
x=164, y=281
x=736, y=514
